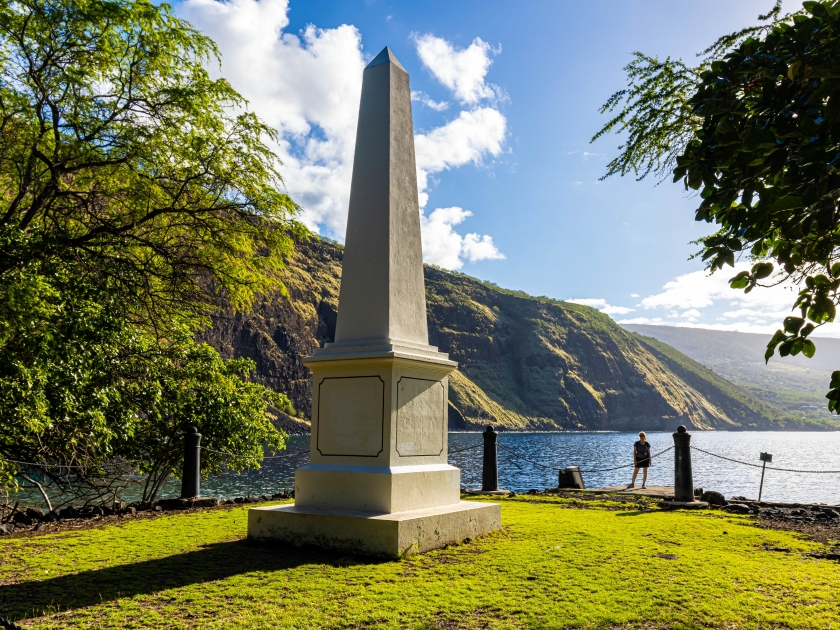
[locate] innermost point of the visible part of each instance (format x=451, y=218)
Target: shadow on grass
x=636, y=513
x=213, y=562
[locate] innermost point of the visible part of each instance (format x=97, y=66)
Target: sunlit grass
x=552, y=566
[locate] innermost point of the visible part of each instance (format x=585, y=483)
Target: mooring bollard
x=191, y=479
x=683, y=480
x=490, y=469
x=571, y=478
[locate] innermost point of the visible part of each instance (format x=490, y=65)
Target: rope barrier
x=515, y=454
x=469, y=448
x=530, y=461
x=793, y=470
x=670, y=448
x=210, y=450
x=59, y=466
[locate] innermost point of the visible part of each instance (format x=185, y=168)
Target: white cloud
x=461, y=70
x=760, y=311
x=634, y=295
x=306, y=86
x=601, y=305
x=691, y=315
x=425, y=99
x=446, y=248
x=651, y=321
x=466, y=139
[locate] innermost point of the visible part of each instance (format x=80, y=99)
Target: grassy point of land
x=557, y=563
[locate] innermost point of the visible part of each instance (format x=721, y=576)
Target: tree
x=137, y=195
x=755, y=127
x=119, y=152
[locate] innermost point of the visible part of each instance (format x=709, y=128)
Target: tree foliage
x=757, y=130
x=137, y=194
x=120, y=153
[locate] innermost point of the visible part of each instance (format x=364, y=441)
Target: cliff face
x=524, y=362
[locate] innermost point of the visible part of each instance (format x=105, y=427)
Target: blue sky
x=506, y=100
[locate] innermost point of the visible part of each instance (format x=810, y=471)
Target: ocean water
x=590, y=451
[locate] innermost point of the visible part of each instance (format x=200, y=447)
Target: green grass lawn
x=552, y=566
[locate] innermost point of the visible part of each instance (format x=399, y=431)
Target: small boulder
x=130, y=510
x=66, y=512
x=21, y=518
x=713, y=498
x=35, y=513
x=831, y=513
x=6, y=528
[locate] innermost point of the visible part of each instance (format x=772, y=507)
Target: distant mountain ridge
x=794, y=384
x=525, y=363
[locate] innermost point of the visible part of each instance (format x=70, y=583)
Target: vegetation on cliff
x=525, y=363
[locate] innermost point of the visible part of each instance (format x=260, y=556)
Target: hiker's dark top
x=642, y=452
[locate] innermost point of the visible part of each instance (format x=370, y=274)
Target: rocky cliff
x=525, y=363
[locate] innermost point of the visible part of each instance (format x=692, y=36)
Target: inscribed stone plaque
x=420, y=417
x=350, y=416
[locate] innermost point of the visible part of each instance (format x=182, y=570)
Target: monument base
x=390, y=535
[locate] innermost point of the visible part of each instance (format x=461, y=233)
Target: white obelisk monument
x=378, y=480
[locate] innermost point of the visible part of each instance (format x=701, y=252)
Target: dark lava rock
x=666, y=556
x=713, y=498
x=35, y=513
x=738, y=508
x=21, y=518
x=66, y=512
x=831, y=513
x=129, y=510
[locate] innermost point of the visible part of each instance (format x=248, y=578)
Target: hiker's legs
x=644, y=476
x=635, y=473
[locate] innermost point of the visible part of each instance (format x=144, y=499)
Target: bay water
x=591, y=451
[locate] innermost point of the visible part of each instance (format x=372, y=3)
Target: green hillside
x=795, y=384
x=525, y=363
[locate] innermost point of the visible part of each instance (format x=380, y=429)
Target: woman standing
x=641, y=458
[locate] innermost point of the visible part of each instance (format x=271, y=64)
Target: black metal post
x=683, y=480
x=490, y=470
x=761, y=485
x=191, y=479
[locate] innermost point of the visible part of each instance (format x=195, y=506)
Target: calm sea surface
x=801, y=450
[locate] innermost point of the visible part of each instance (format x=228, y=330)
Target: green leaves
x=760, y=141
x=747, y=280
x=138, y=197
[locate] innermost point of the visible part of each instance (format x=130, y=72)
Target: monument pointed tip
x=385, y=56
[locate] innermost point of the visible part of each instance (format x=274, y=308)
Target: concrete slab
x=391, y=535
x=660, y=492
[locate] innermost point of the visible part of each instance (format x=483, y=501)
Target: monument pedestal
x=392, y=535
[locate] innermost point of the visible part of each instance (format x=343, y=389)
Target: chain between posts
x=210, y=450
x=793, y=470
x=670, y=448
